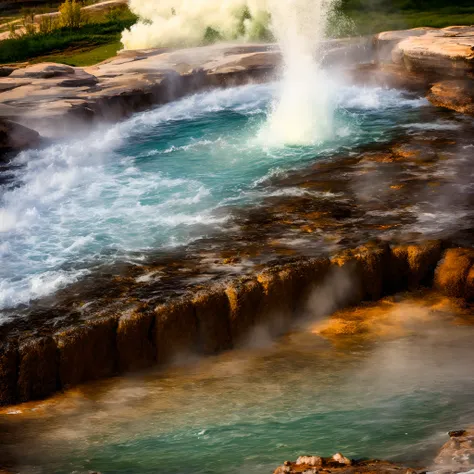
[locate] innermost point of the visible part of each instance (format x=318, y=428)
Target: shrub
x=71, y=15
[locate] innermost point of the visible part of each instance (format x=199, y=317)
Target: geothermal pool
x=392, y=394
x=171, y=176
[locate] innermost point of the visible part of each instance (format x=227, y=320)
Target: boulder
x=87, y=351
x=441, y=55
x=43, y=71
x=455, y=95
x=175, y=329
x=212, y=311
x=458, y=452
x=5, y=71
x=134, y=340
x=454, y=271
x=15, y=137
x=37, y=368
x=8, y=372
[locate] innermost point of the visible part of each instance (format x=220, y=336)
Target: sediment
x=216, y=317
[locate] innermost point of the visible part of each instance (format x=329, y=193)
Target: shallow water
x=392, y=396
x=158, y=179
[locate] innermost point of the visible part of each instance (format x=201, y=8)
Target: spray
x=303, y=112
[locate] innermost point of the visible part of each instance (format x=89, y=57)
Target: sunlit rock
x=452, y=274
x=456, y=95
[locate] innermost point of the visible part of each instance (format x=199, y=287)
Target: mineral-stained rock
x=175, y=329
x=456, y=95
x=338, y=464
x=8, y=372
x=134, y=340
x=38, y=368
x=14, y=136
x=452, y=273
x=458, y=452
x=368, y=265
x=245, y=296
x=413, y=265
x=212, y=312
x=87, y=351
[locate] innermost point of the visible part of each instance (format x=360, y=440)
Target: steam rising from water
x=304, y=112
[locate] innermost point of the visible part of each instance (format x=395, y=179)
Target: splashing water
x=304, y=111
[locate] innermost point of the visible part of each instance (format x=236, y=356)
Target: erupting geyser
x=303, y=112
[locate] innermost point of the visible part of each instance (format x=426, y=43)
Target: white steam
x=187, y=22
x=303, y=114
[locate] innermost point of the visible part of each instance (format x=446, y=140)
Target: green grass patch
x=87, y=57
x=369, y=22
x=86, y=37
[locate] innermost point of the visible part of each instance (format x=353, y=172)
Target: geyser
x=303, y=111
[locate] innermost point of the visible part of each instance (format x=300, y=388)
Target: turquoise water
x=249, y=410
x=158, y=179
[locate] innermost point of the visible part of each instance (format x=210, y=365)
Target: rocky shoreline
x=52, y=98
x=213, y=318
x=456, y=456
x=133, y=326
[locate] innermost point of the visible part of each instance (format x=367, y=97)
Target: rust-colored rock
x=38, y=368
x=456, y=95
x=452, y=274
x=134, y=340
x=368, y=265
x=8, y=372
x=212, y=312
x=245, y=296
x=175, y=329
x=87, y=352
x=413, y=265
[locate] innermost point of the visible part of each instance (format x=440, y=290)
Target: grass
x=86, y=39
x=369, y=22
x=85, y=57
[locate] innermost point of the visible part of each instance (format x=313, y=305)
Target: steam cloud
x=303, y=114
x=190, y=22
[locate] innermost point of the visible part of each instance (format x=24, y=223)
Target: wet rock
x=455, y=95
x=453, y=275
x=38, y=368
x=14, y=136
x=341, y=459
x=310, y=460
x=458, y=452
x=213, y=312
x=87, y=352
x=134, y=342
x=8, y=372
x=245, y=297
x=413, y=265
x=175, y=329
x=368, y=264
